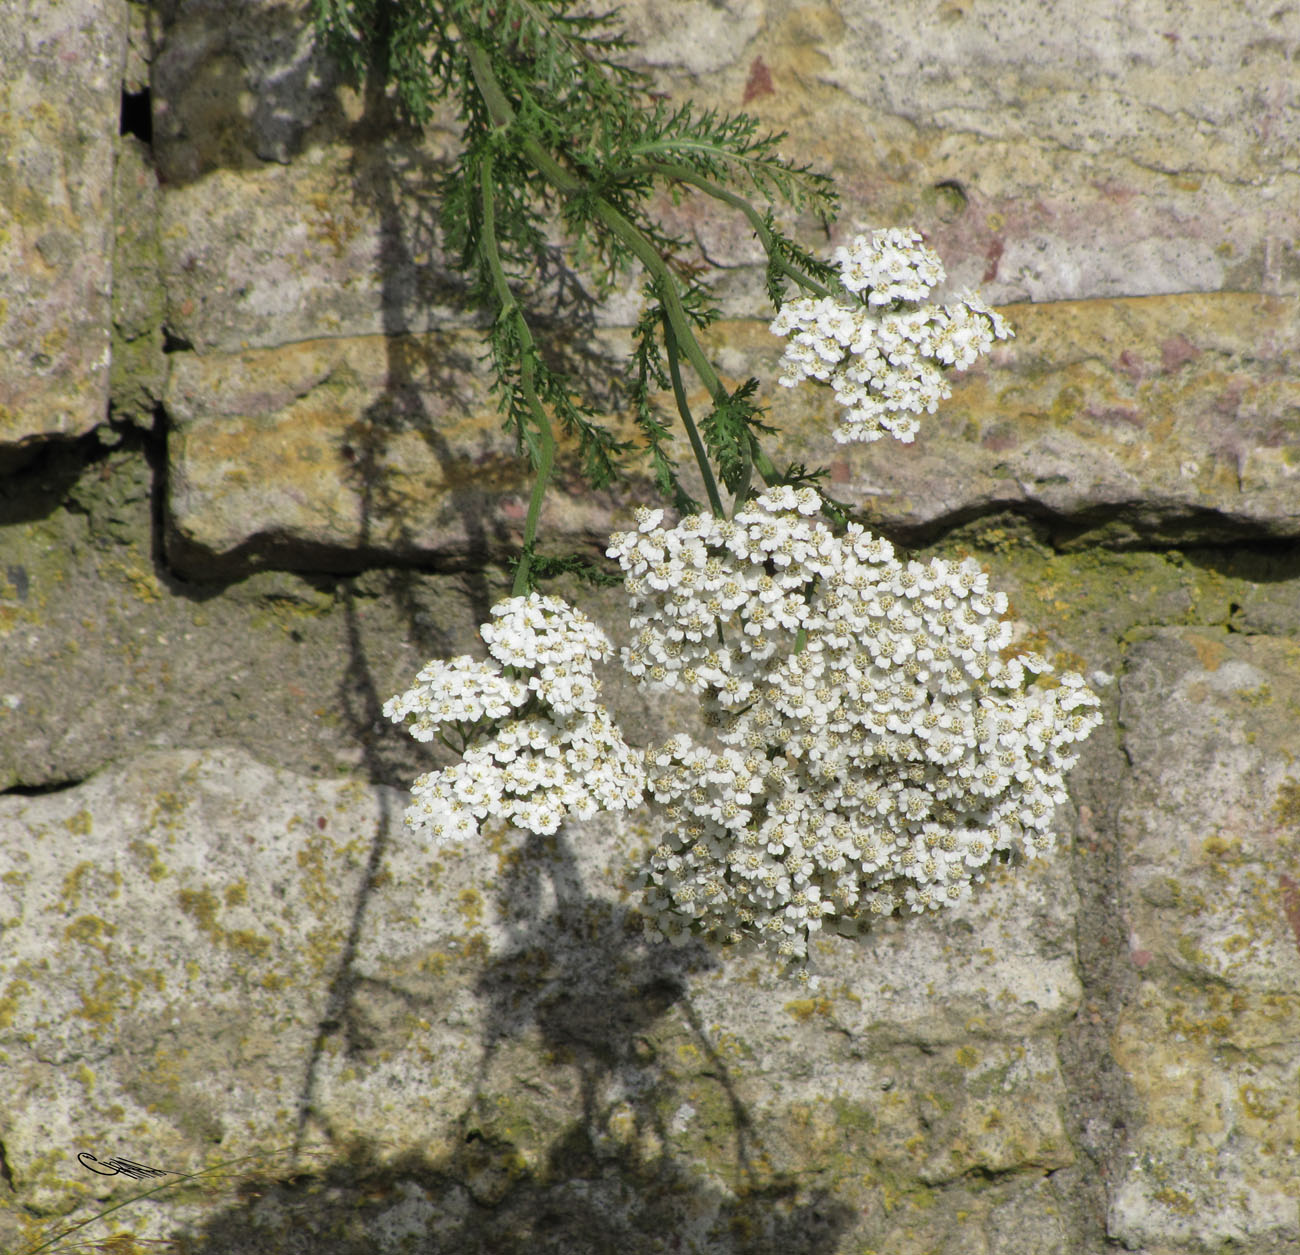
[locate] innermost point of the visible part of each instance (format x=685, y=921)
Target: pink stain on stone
x=759, y=82
x=992, y=257
x=1177, y=351
x=1291, y=904
x=1132, y=365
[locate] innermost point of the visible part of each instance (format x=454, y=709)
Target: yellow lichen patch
x=1256, y=1103
x=1224, y=849
x=248, y=941
x=90, y=930
x=1176, y=1200
x=9, y=1002
x=803, y=1009
x=146, y=855
x=319, y=876
x=74, y=883
x=1286, y=807
x=104, y=999
x=730, y=1047
x=141, y=579
x=202, y=906
x=469, y=902
x=79, y=824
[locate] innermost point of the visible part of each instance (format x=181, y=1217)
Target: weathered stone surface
x=339, y=452
x=105, y=652
x=1130, y=422
x=279, y=664
x=1050, y=151
x=1063, y=1067
x=176, y=928
x=1142, y=422
x=59, y=74
x=292, y=209
x=1211, y=833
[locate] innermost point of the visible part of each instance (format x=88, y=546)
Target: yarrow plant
x=870, y=738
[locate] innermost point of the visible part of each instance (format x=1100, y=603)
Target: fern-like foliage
x=564, y=152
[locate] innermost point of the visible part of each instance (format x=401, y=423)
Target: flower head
x=537, y=744
x=878, y=749
x=880, y=347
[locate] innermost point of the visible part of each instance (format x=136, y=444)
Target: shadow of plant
x=580, y=989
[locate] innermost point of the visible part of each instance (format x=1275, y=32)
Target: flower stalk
x=509, y=311
x=679, y=337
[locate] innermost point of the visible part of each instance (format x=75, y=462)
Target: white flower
x=880, y=764
x=880, y=348
x=560, y=755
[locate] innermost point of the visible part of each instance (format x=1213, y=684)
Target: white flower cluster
x=877, y=746
x=883, y=350
x=538, y=745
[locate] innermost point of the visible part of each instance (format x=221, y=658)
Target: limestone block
x=203, y=951
x=341, y=451
x=1211, y=850
x=289, y=212
x=1161, y=420
x=1132, y=422
x=60, y=68
x=1050, y=151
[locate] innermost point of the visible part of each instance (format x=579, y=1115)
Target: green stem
x=503, y=115
x=181, y=1178
x=697, y=445
x=683, y=174
x=509, y=308
x=765, y=466
x=742, y=488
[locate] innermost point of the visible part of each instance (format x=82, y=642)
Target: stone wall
x=251, y=478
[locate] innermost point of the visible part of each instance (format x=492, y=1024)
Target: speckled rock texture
x=252, y=477
x=59, y=92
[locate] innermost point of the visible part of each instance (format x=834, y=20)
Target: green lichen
x=91, y=931
x=146, y=856
x=203, y=907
